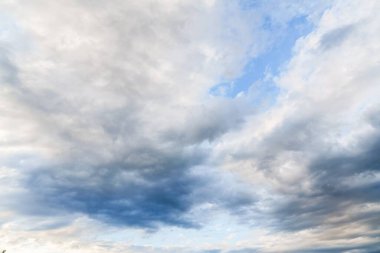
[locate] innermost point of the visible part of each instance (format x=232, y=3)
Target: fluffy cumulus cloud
x=116, y=134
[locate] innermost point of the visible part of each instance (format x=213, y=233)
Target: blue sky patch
x=268, y=63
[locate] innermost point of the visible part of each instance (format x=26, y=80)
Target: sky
x=189, y=126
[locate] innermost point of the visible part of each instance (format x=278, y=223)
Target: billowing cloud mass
x=189, y=126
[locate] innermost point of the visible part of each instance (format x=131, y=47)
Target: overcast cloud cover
x=199, y=126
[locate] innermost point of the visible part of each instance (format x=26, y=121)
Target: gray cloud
x=340, y=181
x=111, y=104
x=371, y=248
x=9, y=71
x=334, y=188
x=107, y=116
x=335, y=37
x=244, y=251
x=138, y=193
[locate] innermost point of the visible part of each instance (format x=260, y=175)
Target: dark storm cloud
x=334, y=189
x=339, y=181
x=332, y=168
x=132, y=194
x=147, y=181
x=145, y=184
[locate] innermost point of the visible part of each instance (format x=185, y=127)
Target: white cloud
x=91, y=86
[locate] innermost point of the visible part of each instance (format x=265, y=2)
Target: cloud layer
x=112, y=138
